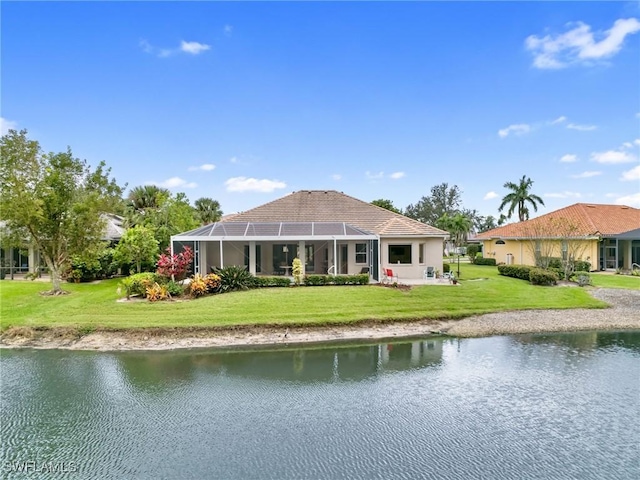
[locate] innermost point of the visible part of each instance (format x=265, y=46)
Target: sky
x=245, y=102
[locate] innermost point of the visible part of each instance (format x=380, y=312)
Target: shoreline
x=622, y=315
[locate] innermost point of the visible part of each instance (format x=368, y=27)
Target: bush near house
x=321, y=280
x=516, y=271
x=138, y=283
x=472, y=251
x=446, y=268
x=485, y=261
x=268, y=282
x=538, y=276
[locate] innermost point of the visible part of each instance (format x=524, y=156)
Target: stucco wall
x=522, y=251
x=414, y=270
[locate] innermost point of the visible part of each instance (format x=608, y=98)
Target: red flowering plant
x=175, y=266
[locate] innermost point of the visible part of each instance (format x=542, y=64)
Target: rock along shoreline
x=622, y=315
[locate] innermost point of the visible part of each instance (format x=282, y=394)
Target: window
x=361, y=253
x=421, y=253
x=500, y=242
x=399, y=253
x=565, y=250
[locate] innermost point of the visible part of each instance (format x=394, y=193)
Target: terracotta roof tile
x=586, y=220
x=333, y=206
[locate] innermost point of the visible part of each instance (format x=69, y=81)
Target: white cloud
x=587, y=174
x=194, y=48
x=581, y=128
x=397, y=175
x=565, y=194
x=233, y=159
x=336, y=177
x=206, y=167
x=228, y=30
x=6, y=125
x=613, y=157
x=374, y=176
x=174, y=182
x=558, y=120
x=631, y=175
x=490, y=195
x=632, y=200
x=244, y=184
x=579, y=45
x=569, y=158
x=518, y=129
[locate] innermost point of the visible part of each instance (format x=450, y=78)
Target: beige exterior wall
x=523, y=254
x=233, y=254
x=432, y=256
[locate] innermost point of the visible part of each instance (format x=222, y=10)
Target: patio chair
x=429, y=274
x=388, y=276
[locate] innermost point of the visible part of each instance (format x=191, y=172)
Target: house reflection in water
x=333, y=363
x=307, y=365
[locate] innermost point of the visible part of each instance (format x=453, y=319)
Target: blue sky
x=244, y=102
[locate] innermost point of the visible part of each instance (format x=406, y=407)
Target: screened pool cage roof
x=275, y=231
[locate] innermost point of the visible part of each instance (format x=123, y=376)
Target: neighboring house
x=26, y=259
x=331, y=233
x=608, y=236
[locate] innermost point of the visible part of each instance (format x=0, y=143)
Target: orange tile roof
x=333, y=206
x=585, y=219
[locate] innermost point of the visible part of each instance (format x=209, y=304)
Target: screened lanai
x=268, y=248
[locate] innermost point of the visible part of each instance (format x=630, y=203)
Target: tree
x=168, y=216
x=147, y=196
x=137, y=245
x=519, y=197
x=55, y=199
x=488, y=223
x=208, y=210
x=443, y=199
x=386, y=204
x=458, y=226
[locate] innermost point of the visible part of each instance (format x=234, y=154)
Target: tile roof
x=333, y=206
x=586, y=219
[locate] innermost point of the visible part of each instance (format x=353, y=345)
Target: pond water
x=535, y=406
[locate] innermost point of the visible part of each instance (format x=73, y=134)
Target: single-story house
x=331, y=233
x=26, y=258
x=608, y=236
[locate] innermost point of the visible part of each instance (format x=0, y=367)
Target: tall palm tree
x=147, y=196
x=518, y=198
x=458, y=226
x=208, y=210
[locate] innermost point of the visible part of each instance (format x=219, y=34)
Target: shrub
x=265, y=282
x=583, y=279
x=315, y=280
x=213, y=282
x=138, y=283
x=197, y=287
x=446, y=268
x=515, y=271
x=175, y=289
x=157, y=292
x=297, y=271
x=234, y=278
x=538, y=276
x=582, y=266
x=176, y=265
x=472, y=251
x=485, y=261
x=320, y=280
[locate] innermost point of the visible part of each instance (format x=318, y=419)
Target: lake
x=555, y=406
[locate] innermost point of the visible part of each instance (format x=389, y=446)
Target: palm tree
x=147, y=196
x=458, y=226
x=208, y=210
x=519, y=197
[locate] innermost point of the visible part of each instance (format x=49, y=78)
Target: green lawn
x=608, y=280
x=94, y=306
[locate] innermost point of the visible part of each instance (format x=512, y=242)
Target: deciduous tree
x=55, y=199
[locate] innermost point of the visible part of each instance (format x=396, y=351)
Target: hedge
x=485, y=261
x=515, y=271
x=321, y=280
x=538, y=276
x=265, y=282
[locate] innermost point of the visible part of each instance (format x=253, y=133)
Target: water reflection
x=531, y=406
x=296, y=364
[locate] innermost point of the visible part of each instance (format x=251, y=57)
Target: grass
x=94, y=307
x=608, y=280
